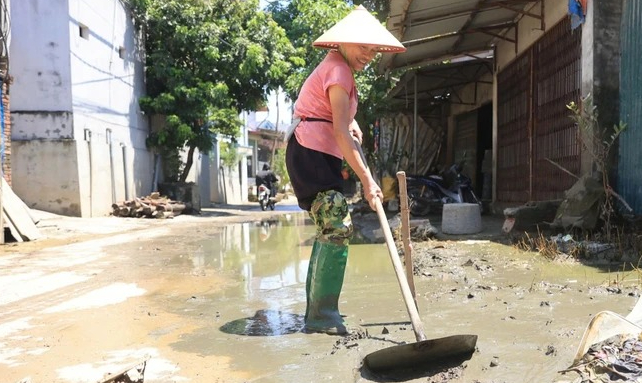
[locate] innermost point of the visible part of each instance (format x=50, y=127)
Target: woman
x=325, y=136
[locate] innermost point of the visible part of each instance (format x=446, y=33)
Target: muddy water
x=212, y=303
x=529, y=313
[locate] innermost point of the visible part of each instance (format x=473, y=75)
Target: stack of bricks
x=5, y=144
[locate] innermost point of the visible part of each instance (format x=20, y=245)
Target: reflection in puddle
x=273, y=255
x=265, y=323
x=269, y=261
x=264, y=255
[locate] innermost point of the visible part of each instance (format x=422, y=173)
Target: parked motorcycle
x=266, y=200
x=428, y=194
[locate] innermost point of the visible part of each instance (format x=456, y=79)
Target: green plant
x=545, y=247
x=598, y=142
x=279, y=168
x=229, y=154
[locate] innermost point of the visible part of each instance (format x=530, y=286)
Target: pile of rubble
x=616, y=359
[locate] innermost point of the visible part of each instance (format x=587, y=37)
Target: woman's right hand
x=371, y=192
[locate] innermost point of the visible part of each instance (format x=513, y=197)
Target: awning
x=439, y=82
x=439, y=30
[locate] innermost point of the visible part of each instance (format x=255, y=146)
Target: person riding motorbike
x=267, y=178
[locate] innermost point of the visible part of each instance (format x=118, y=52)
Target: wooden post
x=405, y=232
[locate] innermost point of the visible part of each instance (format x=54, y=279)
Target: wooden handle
x=417, y=325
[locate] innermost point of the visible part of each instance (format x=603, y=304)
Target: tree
x=206, y=61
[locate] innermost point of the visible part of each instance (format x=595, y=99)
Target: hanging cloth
x=576, y=11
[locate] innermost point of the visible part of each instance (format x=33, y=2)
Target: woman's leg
x=327, y=263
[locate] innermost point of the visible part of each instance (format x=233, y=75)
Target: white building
x=78, y=136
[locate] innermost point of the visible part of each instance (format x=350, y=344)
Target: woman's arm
x=343, y=125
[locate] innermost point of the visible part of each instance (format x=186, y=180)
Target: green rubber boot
x=323, y=287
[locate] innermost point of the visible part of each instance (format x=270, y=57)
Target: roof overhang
x=438, y=30
x=441, y=82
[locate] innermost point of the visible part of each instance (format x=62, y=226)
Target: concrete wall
x=78, y=73
x=601, y=67
x=40, y=61
x=44, y=154
x=228, y=185
x=108, y=78
x=39, y=192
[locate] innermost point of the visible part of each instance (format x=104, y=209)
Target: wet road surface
x=206, y=301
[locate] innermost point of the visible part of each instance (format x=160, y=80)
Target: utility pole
x=276, y=133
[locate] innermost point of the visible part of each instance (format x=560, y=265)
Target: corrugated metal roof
x=437, y=30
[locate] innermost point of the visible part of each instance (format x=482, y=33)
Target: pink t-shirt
x=314, y=101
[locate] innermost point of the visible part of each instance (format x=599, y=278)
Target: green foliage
x=597, y=142
x=279, y=168
x=205, y=62
x=229, y=154
x=373, y=103
x=304, y=21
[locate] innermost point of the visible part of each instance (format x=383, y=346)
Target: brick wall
x=5, y=144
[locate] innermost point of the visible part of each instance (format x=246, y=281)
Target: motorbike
x=428, y=194
x=266, y=200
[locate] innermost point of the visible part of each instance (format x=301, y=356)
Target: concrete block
x=461, y=218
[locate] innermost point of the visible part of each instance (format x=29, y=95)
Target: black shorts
x=311, y=172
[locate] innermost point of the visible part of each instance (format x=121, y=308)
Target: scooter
x=265, y=198
x=428, y=194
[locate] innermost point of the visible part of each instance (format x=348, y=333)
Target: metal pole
x=1, y=212
x=1, y=161
x=414, y=134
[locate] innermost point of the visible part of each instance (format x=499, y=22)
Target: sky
x=285, y=111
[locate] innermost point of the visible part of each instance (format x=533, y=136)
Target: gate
x=535, y=135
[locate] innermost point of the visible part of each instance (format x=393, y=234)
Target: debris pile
x=152, y=206
x=420, y=230
x=616, y=359
x=587, y=249
x=15, y=214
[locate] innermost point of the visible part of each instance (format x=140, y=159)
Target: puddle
x=265, y=323
x=479, y=288
x=227, y=304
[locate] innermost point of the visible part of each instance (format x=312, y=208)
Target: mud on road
x=221, y=297
x=529, y=312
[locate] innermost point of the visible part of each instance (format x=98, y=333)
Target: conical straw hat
x=359, y=27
